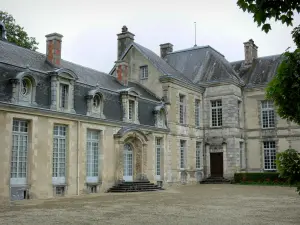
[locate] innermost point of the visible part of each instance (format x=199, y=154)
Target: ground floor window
x=269, y=155
x=182, y=154
x=198, y=155
x=158, y=146
x=59, y=154
x=92, y=156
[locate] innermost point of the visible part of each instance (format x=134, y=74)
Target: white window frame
x=144, y=72
x=197, y=112
x=158, y=158
x=183, y=160
x=269, y=155
x=267, y=114
x=131, y=110
x=198, y=155
x=59, y=153
x=19, y=154
x=182, y=109
x=64, y=96
x=92, y=155
x=216, y=108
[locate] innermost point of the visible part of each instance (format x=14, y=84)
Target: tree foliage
x=288, y=165
x=264, y=10
x=16, y=34
x=284, y=88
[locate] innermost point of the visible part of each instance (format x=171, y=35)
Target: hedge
x=258, y=177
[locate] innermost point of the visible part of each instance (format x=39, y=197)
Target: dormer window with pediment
x=130, y=105
x=62, y=90
x=95, y=103
x=24, y=89
x=160, y=116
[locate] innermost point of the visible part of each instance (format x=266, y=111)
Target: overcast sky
x=89, y=27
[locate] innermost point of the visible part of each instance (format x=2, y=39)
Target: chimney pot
x=53, y=48
x=250, y=50
x=165, y=49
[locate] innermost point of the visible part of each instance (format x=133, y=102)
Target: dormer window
x=64, y=90
x=24, y=89
x=131, y=110
x=130, y=105
x=95, y=103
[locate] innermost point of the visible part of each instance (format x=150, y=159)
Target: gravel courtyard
x=186, y=205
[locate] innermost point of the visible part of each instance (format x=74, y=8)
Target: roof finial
x=195, y=34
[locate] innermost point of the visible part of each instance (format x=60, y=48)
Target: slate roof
x=260, y=73
x=158, y=62
x=18, y=56
x=203, y=65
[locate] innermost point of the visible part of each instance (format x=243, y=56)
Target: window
x=216, y=113
x=92, y=188
x=242, y=156
x=59, y=154
x=144, y=72
x=92, y=156
x=268, y=115
x=198, y=155
x=239, y=113
x=64, y=89
x=182, y=154
x=25, y=86
x=182, y=109
x=18, y=171
x=60, y=191
x=270, y=155
x=197, y=113
x=131, y=110
x=158, y=157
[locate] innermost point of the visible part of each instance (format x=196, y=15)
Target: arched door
x=128, y=161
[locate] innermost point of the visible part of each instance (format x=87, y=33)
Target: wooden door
x=216, y=164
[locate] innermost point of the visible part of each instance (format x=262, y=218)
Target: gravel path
x=186, y=205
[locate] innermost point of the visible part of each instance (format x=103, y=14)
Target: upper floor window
x=182, y=109
x=267, y=114
x=216, y=113
x=197, y=113
x=144, y=72
x=131, y=109
x=63, y=96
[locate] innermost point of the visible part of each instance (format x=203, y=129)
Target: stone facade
x=147, y=102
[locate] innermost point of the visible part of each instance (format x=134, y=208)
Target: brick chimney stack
x=165, y=49
x=122, y=72
x=250, y=52
x=53, y=48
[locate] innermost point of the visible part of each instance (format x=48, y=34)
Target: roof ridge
x=195, y=48
x=84, y=66
x=262, y=57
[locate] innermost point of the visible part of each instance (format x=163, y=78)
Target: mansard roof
x=262, y=70
x=25, y=58
x=203, y=65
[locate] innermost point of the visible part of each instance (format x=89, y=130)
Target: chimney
x=165, y=49
x=53, y=48
x=124, y=40
x=2, y=31
x=122, y=72
x=250, y=52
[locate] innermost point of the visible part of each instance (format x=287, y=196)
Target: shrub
x=266, y=177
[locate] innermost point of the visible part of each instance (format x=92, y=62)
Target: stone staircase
x=215, y=180
x=135, y=186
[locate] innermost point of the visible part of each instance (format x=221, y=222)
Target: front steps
x=135, y=186
x=215, y=180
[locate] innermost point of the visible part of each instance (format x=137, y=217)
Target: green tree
x=284, y=89
x=16, y=34
x=288, y=165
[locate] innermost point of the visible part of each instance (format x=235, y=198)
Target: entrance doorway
x=216, y=164
x=128, y=163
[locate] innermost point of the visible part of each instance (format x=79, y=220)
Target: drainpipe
x=78, y=143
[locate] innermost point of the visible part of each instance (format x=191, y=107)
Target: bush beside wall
x=265, y=177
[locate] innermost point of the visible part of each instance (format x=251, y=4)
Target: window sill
x=146, y=78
